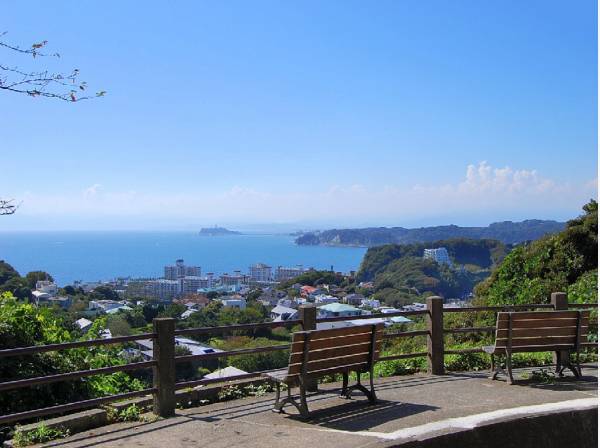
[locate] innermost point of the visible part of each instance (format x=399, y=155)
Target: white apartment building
x=283, y=274
x=260, y=272
x=236, y=280
x=440, y=255
x=190, y=284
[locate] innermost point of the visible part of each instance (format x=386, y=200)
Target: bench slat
x=320, y=344
x=545, y=331
x=339, y=362
x=522, y=315
x=539, y=341
x=315, y=355
x=541, y=323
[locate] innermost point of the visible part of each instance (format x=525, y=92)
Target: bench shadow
x=360, y=415
x=566, y=383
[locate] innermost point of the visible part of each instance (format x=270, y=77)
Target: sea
x=101, y=256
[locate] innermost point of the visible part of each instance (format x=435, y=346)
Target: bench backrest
x=323, y=352
x=541, y=330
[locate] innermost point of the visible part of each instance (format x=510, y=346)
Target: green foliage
x=234, y=392
x=34, y=276
x=313, y=278
x=41, y=434
x=253, y=362
x=103, y=293
x=481, y=253
x=21, y=325
x=531, y=272
x=585, y=289
x=118, y=325
x=131, y=413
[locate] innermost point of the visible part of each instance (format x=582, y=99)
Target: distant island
x=508, y=232
x=217, y=231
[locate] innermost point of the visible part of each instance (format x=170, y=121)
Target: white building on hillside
x=440, y=255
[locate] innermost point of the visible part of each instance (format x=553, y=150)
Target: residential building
x=306, y=291
x=338, y=310
x=179, y=269
x=234, y=281
x=47, y=287
x=370, y=303
x=190, y=284
x=439, y=255
x=260, y=272
x=325, y=299
x=234, y=302
x=84, y=324
x=281, y=313
x=354, y=299
x=283, y=274
x=145, y=347
x=105, y=305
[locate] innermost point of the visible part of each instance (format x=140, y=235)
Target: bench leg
x=344, y=392
x=373, y=397
x=370, y=394
x=510, y=379
x=303, y=408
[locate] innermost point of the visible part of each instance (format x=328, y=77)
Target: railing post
x=164, y=370
x=435, y=338
x=308, y=316
x=560, y=302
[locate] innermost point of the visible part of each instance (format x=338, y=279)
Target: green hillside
x=401, y=275
x=567, y=261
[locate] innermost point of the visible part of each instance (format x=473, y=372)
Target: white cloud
x=500, y=192
x=92, y=190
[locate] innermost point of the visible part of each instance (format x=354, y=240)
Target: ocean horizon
x=104, y=255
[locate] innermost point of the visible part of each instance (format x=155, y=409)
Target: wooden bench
x=539, y=331
x=317, y=353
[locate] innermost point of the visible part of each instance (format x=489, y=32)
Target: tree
x=64, y=86
x=104, y=293
x=34, y=276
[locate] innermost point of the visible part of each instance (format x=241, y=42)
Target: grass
x=40, y=434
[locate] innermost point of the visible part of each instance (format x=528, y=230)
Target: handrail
x=76, y=344
x=583, y=305
x=471, y=309
x=17, y=384
x=373, y=316
x=72, y=406
x=245, y=351
x=239, y=327
x=470, y=330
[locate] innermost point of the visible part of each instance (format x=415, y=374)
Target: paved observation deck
x=411, y=411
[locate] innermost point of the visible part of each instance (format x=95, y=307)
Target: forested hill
x=508, y=232
x=567, y=261
x=401, y=275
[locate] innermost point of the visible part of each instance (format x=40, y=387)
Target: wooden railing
x=164, y=362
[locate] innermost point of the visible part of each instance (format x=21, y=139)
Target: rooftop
x=410, y=408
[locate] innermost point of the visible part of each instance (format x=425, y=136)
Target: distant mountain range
x=217, y=231
x=508, y=232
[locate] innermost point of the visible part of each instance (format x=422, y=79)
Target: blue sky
x=303, y=114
